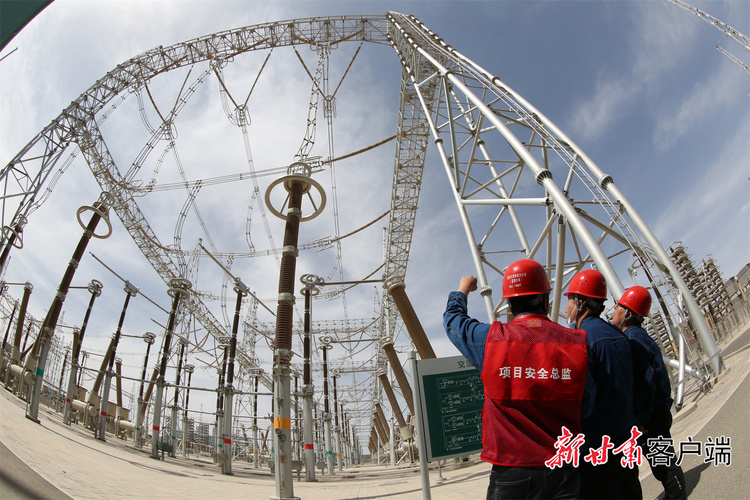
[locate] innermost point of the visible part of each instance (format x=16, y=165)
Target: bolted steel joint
x=240, y=287
x=130, y=289
x=286, y=298
x=393, y=282
x=295, y=211
x=290, y=250
x=95, y=287
x=178, y=287
x=311, y=282
x=542, y=176
x=284, y=356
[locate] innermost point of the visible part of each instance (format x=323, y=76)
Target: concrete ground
x=50, y=460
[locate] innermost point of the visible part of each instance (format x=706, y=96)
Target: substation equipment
x=547, y=198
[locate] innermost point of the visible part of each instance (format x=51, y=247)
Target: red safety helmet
x=637, y=299
x=525, y=277
x=589, y=283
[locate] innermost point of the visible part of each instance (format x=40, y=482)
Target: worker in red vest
x=534, y=374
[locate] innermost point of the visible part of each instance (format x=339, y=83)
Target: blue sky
x=639, y=85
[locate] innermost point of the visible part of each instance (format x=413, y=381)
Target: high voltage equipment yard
x=219, y=305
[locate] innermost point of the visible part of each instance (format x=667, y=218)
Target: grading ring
x=18, y=240
x=101, y=210
x=178, y=287
x=288, y=180
x=311, y=282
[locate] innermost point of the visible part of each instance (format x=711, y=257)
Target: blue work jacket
x=611, y=368
x=662, y=385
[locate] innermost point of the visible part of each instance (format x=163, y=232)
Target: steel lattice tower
x=522, y=187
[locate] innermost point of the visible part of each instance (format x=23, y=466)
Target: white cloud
x=663, y=35
x=708, y=98
x=713, y=217
x=659, y=41
x=53, y=67
x=594, y=116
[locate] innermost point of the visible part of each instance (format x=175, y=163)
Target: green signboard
x=451, y=395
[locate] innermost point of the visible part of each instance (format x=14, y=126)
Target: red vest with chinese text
x=534, y=374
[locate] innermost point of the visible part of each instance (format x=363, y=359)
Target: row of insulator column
x=109, y=358
x=178, y=290
x=14, y=363
x=659, y=331
x=100, y=212
x=26, y=367
x=381, y=428
x=717, y=301
x=297, y=184
x=684, y=264
x=705, y=284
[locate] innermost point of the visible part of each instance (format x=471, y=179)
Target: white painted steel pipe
x=530, y=202
x=542, y=175
x=681, y=371
x=138, y=423
x=156, y=418
x=559, y=271
x=606, y=182
x=72, y=392
x=682, y=366
x=104, y=406
x=421, y=441
x=308, y=433
x=329, y=448
x=226, y=468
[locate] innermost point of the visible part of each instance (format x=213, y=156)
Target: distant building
x=738, y=289
x=190, y=430
x=202, y=433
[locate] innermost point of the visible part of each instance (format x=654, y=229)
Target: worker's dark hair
x=596, y=306
x=537, y=304
x=634, y=317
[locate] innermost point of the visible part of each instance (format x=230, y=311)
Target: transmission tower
x=732, y=33
x=521, y=186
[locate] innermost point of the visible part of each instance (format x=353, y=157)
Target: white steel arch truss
x=511, y=169
x=500, y=151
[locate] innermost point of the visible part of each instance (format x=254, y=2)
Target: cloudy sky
x=639, y=85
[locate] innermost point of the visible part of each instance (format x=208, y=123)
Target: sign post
x=448, y=399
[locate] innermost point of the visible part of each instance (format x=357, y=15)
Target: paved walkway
x=51, y=460
x=723, y=412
